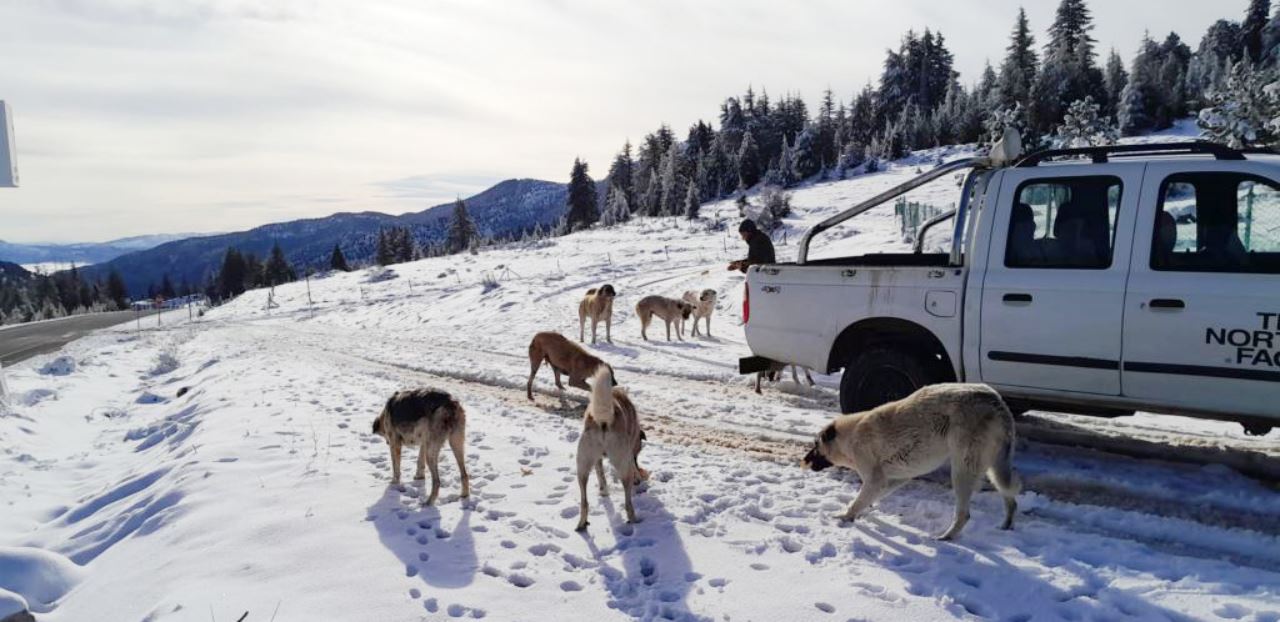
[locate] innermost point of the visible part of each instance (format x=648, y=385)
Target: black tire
x=881, y=375
x=1254, y=428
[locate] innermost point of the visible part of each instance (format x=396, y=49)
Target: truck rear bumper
x=754, y=364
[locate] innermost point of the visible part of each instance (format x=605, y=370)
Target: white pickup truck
x=1097, y=281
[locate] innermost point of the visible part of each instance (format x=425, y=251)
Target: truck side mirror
x=8, y=153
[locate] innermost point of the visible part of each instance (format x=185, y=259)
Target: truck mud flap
x=754, y=364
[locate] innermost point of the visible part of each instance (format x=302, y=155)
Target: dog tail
x=601, y=406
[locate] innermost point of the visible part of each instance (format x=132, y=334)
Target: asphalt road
x=27, y=340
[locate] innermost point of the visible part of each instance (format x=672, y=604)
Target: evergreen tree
x=166, y=288
x=234, y=275
x=1083, y=126
x=580, y=207
x=1141, y=96
x=1018, y=71
x=691, y=203
x=1251, y=30
x=277, y=269
x=1069, y=72
x=652, y=200
x=748, y=163
x=338, y=261
x=620, y=172
x=1114, y=79
x=116, y=290
x=1245, y=112
x=616, y=208
x=673, y=181
x=462, y=233
x=385, y=254
x=805, y=160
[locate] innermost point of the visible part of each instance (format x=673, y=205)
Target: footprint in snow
x=571, y=586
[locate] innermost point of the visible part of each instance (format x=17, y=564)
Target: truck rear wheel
x=881, y=375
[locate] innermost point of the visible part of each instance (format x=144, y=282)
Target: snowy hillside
x=262, y=490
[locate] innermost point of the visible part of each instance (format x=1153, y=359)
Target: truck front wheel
x=881, y=375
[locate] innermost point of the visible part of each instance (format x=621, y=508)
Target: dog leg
x=708, y=325
x=582, y=322
x=578, y=383
x=759, y=377
x=794, y=376
x=874, y=487
x=534, y=364
x=559, y=385
x=604, y=483
x=433, y=461
x=421, y=472
x=809, y=377
x=963, y=481
x=456, y=443
x=668, y=322
x=1008, y=483
x=594, y=322
x=628, y=483
x=608, y=328
x=395, y=460
x=584, y=473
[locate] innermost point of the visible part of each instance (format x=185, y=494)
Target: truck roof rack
x=1101, y=155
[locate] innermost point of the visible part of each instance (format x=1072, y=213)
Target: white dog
x=703, y=304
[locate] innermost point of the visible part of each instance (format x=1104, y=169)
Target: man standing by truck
x=759, y=247
x=759, y=251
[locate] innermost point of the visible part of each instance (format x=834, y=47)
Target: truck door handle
x=1017, y=297
x=1167, y=303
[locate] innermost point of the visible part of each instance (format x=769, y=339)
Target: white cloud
x=142, y=116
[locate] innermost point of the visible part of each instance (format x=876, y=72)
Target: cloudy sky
x=160, y=116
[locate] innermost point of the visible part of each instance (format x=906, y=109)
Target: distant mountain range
x=82, y=253
x=511, y=206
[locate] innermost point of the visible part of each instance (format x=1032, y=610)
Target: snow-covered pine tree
x=1083, y=127
x=580, y=206
x=1251, y=30
x=1141, y=95
x=616, y=209
x=338, y=261
x=691, y=202
x=805, y=160
x=1069, y=72
x=277, y=269
x=1018, y=71
x=462, y=232
x=1245, y=112
x=673, y=181
x=651, y=202
x=748, y=163
x=1114, y=79
x=620, y=172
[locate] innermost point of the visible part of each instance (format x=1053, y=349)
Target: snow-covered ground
x=261, y=489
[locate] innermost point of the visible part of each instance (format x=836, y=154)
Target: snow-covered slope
x=261, y=489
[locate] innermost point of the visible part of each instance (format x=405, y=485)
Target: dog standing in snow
x=597, y=305
x=704, y=303
x=425, y=418
x=671, y=311
x=610, y=428
x=891, y=444
x=564, y=357
x=775, y=372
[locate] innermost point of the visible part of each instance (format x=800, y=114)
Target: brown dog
x=597, y=305
x=564, y=357
x=775, y=373
x=426, y=418
x=669, y=309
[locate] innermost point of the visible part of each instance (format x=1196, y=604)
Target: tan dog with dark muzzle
x=704, y=303
x=611, y=428
x=597, y=306
x=671, y=311
x=892, y=444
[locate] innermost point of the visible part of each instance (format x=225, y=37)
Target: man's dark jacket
x=759, y=250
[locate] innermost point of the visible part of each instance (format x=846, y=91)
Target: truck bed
x=928, y=260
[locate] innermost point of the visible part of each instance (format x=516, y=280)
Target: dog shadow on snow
x=981, y=583
x=433, y=542
x=656, y=573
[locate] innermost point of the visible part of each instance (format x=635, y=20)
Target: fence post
x=4, y=392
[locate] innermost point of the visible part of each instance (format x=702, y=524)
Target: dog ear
x=828, y=433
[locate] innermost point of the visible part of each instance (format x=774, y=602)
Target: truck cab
x=1099, y=280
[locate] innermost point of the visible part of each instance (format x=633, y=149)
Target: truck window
x=1217, y=222
x=1066, y=223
